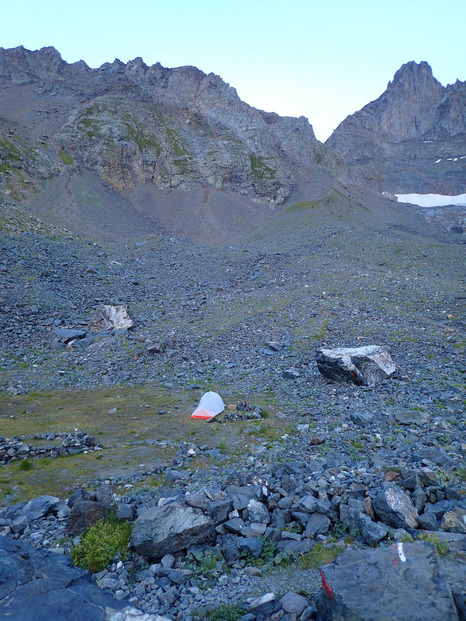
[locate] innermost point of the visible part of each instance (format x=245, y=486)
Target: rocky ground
x=249, y=319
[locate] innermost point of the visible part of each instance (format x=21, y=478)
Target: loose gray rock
x=258, y=512
x=292, y=603
x=39, y=507
x=454, y=521
x=394, y=508
x=252, y=545
x=407, y=579
x=371, y=532
x=265, y=605
x=65, y=335
x=361, y=365
x=318, y=523
x=85, y=513
x=169, y=529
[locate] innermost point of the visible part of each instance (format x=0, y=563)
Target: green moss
x=66, y=158
x=92, y=126
x=101, y=543
x=176, y=142
x=9, y=150
x=319, y=555
x=301, y=205
x=143, y=140
x=259, y=168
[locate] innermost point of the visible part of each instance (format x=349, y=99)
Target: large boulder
x=393, y=506
x=108, y=317
x=402, y=582
x=365, y=366
x=169, y=529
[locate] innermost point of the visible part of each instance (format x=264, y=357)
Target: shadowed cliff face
x=125, y=136
x=411, y=138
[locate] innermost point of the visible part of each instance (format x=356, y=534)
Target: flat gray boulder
x=402, y=582
x=364, y=366
x=39, y=507
x=169, y=529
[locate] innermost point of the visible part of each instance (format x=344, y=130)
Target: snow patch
x=432, y=200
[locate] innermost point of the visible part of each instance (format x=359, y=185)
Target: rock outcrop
x=407, y=578
x=366, y=366
x=410, y=139
x=126, y=136
x=37, y=585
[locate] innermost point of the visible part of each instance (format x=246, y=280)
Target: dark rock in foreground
x=36, y=585
x=402, y=582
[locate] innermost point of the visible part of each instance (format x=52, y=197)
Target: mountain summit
x=410, y=139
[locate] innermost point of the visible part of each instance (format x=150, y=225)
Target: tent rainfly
x=209, y=406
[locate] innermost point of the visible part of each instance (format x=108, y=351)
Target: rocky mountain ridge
x=410, y=139
x=150, y=142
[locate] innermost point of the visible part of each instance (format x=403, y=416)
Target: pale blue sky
x=323, y=59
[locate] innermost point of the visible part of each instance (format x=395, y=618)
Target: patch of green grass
x=206, y=565
x=66, y=158
x=442, y=548
x=269, y=433
x=259, y=168
x=226, y=612
x=285, y=558
x=92, y=126
x=319, y=555
x=25, y=465
x=176, y=142
x=300, y=205
x=266, y=558
x=101, y=543
x=88, y=410
x=152, y=484
x=143, y=140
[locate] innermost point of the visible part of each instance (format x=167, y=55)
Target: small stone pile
x=244, y=411
x=12, y=449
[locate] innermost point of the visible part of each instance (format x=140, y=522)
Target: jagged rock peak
x=404, y=110
x=397, y=142
x=414, y=76
x=20, y=65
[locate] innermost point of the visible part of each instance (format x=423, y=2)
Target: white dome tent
x=209, y=406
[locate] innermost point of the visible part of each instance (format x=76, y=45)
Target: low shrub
x=101, y=543
x=226, y=612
